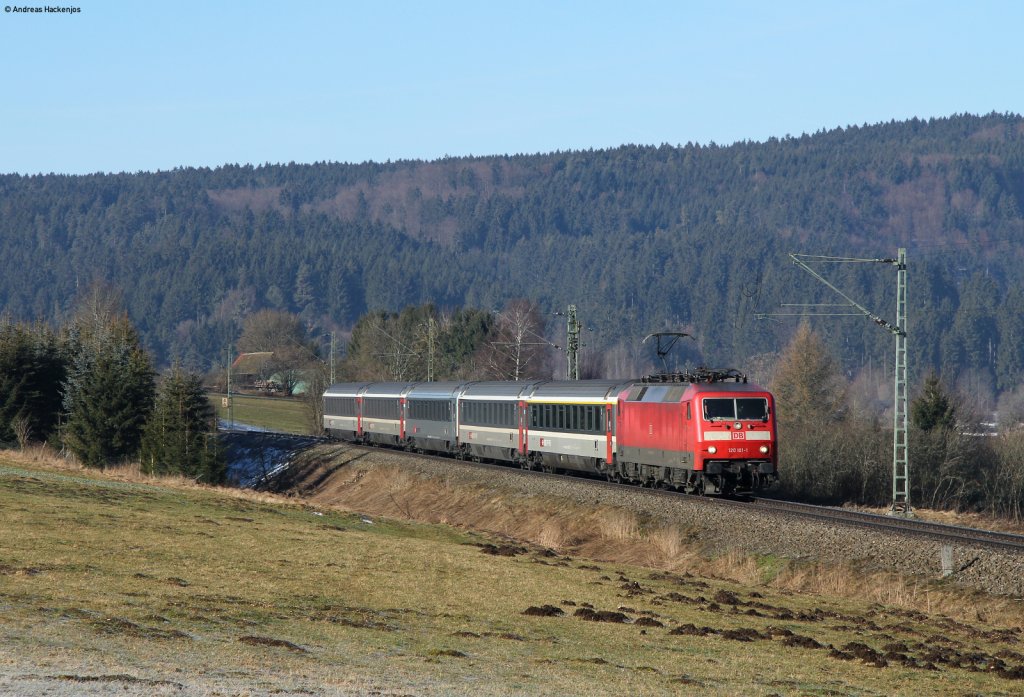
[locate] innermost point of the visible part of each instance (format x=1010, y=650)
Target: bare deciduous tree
x=517, y=349
x=1003, y=482
x=22, y=428
x=317, y=381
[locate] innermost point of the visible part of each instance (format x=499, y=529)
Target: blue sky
x=144, y=86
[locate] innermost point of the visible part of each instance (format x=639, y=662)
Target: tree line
x=89, y=389
x=835, y=447
x=641, y=238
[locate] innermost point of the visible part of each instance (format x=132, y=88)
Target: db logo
x=739, y=435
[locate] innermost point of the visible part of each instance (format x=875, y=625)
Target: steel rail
x=942, y=531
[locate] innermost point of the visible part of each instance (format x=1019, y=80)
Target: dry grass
x=611, y=534
x=602, y=533
x=151, y=585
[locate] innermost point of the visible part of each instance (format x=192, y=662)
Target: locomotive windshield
x=746, y=409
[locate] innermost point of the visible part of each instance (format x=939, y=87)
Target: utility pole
x=230, y=403
x=431, y=328
x=900, y=455
x=572, y=346
x=332, y=358
x=900, y=458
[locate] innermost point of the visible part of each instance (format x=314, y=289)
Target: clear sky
x=129, y=86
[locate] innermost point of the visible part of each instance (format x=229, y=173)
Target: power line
x=900, y=455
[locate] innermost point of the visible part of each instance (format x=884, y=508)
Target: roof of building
x=251, y=362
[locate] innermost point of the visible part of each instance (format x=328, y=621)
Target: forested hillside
x=692, y=238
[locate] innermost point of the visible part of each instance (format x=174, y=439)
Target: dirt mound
x=268, y=641
x=544, y=611
x=601, y=615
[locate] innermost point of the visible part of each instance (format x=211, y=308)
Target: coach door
x=609, y=420
x=523, y=427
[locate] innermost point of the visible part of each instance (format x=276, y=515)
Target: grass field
x=143, y=587
x=272, y=413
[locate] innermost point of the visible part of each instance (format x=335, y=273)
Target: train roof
x=345, y=389
x=540, y=390
x=434, y=390
x=368, y=389
x=387, y=389
x=497, y=390
x=577, y=390
x=727, y=387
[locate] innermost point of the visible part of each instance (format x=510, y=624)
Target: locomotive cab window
x=746, y=409
x=752, y=409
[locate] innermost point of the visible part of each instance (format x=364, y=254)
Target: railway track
x=946, y=533
x=951, y=534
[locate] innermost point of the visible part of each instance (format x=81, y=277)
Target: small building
x=254, y=371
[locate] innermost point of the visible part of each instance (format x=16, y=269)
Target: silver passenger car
x=430, y=409
x=571, y=424
x=341, y=413
x=489, y=419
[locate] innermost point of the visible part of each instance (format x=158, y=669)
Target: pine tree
x=180, y=437
x=32, y=368
x=108, y=394
x=933, y=408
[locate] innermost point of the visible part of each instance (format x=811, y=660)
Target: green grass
x=223, y=592
x=273, y=413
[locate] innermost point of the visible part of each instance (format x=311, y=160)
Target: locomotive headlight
x=764, y=449
x=712, y=449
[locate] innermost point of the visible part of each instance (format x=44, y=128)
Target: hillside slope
x=641, y=238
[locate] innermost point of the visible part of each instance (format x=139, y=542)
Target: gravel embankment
x=758, y=532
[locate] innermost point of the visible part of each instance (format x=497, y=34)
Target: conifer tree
x=933, y=408
x=108, y=394
x=32, y=367
x=808, y=388
x=180, y=437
